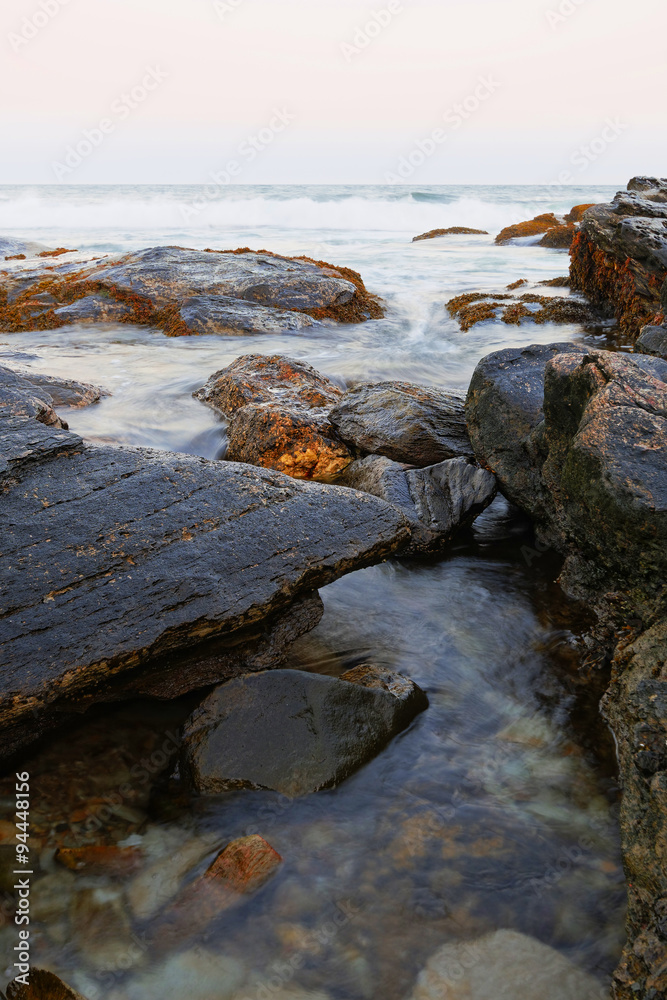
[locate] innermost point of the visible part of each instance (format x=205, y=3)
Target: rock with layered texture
x=653, y=340
x=438, y=500
x=619, y=258
x=53, y=391
x=578, y=439
x=295, y=732
x=452, y=231
x=184, y=292
x=124, y=565
x=278, y=410
x=408, y=423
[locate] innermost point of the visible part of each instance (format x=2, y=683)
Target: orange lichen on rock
x=16, y=256
x=55, y=253
x=576, y=214
x=622, y=288
x=559, y=238
x=563, y=282
x=476, y=307
x=452, y=231
x=540, y=224
x=516, y=284
x=244, y=865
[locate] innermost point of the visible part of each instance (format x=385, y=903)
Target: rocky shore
x=129, y=572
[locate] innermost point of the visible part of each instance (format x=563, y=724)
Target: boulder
x=619, y=257
x=636, y=708
x=295, y=732
x=278, y=409
x=576, y=214
x=452, y=231
x=558, y=238
x=534, y=227
x=504, y=965
x=51, y=390
x=127, y=566
x=402, y=421
x=43, y=986
x=185, y=292
x=653, y=340
x=586, y=456
x=437, y=500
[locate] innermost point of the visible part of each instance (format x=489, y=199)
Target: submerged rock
x=590, y=464
x=122, y=564
x=452, y=231
x=43, y=986
x=438, y=500
x=478, y=307
x=295, y=732
x=619, y=258
x=408, y=423
x=278, y=409
x=504, y=965
x=185, y=292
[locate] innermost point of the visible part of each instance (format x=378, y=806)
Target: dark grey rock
x=405, y=422
x=653, y=340
x=124, y=560
x=166, y=274
x=223, y=314
x=295, y=732
x=52, y=390
x=438, y=500
x=94, y=309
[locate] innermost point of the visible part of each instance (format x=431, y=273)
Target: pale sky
x=332, y=91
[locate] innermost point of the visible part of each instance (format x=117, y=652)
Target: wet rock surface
x=653, y=340
x=116, y=559
x=619, y=258
x=587, y=459
x=452, y=231
x=504, y=965
x=295, y=732
x=405, y=422
x=43, y=986
x=532, y=307
x=53, y=391
x=184, y=292
x=438, y=500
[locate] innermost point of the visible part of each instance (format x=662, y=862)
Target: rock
x=117, y=862
x=244, y=865
x=51, y=390
x=540, y=224
x=576, y=214
x=43, y=986
x=558, y=238
x=452, y=231
x=279, y=416
x=101, y=929
x=636, y=708
x=128, y=563
x=292, y=731
x=504, y=965
x=10, y=248
x=185, y=292
x=619, y=257
x=478, y=307
x=157, y=885
x=653, y=340
x=198, y=974
x=591, y=468
x=95, y=309
x=438, y=500
x=223, y=314
x=402, y=421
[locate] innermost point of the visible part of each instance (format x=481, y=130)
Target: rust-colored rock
x=452, y=231
x=540, y=224
x=244, y=865
x=43, y=985
x=477, y=307
x=559, y=238
x=101, y=860
x=576, y=214
x=278, y=409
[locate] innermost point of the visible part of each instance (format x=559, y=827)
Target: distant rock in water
x=576, y=214
x=619, y=257
x=420, y=425
x=184, y=292
x=504, y=965
x=480, y=307
x=540, y=224
x=127, y=570
x=452, y=231
x=295, y=732
x=278, y=410
x=558, y=238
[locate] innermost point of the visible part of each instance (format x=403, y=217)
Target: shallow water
x=496, y=809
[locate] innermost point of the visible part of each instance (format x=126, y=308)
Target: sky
x=332, y=91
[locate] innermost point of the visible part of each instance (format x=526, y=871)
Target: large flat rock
x=118, y=561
